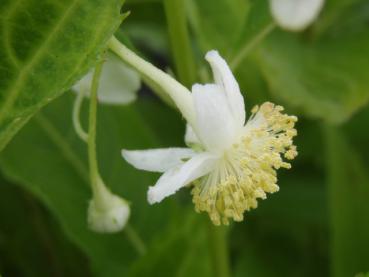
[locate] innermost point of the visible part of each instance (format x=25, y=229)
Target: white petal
x=295, y=15
x=215, y=123
x=118, y=83
x=84, y=85
x=190, y=136
x=157, y=160
x=112, y=219
x=181, y=175
x=223, y=77
x=107, y=212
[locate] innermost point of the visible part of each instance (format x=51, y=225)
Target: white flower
x=295, y=15
x=118, y=83
x=231, y=162
x=107, y=213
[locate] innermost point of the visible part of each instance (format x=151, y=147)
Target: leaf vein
x=15, y=90
x=63, y=146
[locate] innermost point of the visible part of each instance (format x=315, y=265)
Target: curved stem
x=180, y=41
x=219, y=251
x=91, y=141
x=135, y=239
x=186, y=68
x=179, y=93
x=76, y=117
x=185, y=65
x=99, y=189
x=245, y=49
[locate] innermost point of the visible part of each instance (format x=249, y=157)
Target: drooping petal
x=112, y=219
x=215, y=123
x=223, y=77
x=295, y=15
x=107, y=212
x=118, y=83
x=157, y=160
x=190, y=136
x=181, y=175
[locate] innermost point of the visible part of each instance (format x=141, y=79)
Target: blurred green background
x=317, y=225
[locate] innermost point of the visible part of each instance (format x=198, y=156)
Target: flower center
x=247, y=171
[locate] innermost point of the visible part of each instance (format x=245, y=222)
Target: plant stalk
x=219, y=250
x=99, y=189
x=135, y=239
x=186, y=69
x=178, y=93
x=180, y=41
x=246, y=49
x=76, y=117
x=91, y=140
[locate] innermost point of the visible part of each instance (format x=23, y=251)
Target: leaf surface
x=45, y=47
x=47, y=159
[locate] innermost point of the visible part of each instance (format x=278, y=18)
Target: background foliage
x=317, y=225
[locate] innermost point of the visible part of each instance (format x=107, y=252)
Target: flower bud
x=295, y=15
x=107, y=213
x=118, y=83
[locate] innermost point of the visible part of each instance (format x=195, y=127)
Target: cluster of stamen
x=247, y=171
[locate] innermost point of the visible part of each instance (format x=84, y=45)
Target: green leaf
x=325, y=78
x=336, y=12
x=307, y=197
x=184, y=251
x=321, y=75
x=23, y=251
x=45, y=47
x=47, y=159
x=258, y=17
x=362, y=275
x=292, y=246
x=217, y=24
x=348, y=184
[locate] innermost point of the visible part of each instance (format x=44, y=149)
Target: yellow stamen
x=247, y=170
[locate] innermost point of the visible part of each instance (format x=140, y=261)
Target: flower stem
x=99, y=189
x=91, y=140
x=76, y=117
x=186, y=69
x=245, y=49
x=347, y=195
x=219, y=251
x=134, y=238
x=179, y=93
x=180, y=41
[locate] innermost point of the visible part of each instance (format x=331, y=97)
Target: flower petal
x=190, y=136
x=215, y=123
x=224, y=78
x=112, y=218
x=295, y=15
x=118, y=83
x=181, y=175
x=157, y=160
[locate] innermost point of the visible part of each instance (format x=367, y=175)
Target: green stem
x=186, y=68
x=219, y=251
x=91, y=141
x=135, y=239
x=178, y=93
x=348, y=193
x=99, y=189
x=76, y=117
x=245, y=49
x=180, y=41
